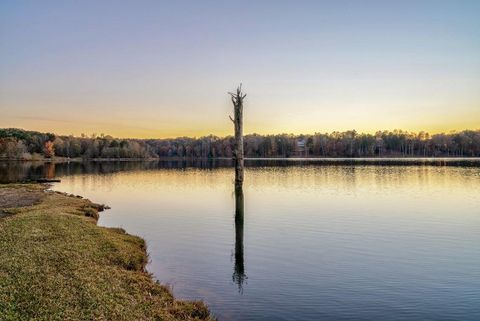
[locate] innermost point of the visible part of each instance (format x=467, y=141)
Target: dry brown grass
x=57, y=264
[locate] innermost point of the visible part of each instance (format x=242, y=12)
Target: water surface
x=302, y=240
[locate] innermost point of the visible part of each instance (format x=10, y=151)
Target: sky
x=163, y=68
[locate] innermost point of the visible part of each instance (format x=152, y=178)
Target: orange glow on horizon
x=126, y=131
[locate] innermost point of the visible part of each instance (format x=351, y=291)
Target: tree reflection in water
x=239, y=275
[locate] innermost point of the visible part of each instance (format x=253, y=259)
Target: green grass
x=57, y=264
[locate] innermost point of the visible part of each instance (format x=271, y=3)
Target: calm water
x=302, y=241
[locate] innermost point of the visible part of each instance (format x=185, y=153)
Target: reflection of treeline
x=12, y=171
x=15, y=143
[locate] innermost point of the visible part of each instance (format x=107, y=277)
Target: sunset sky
x=163, y=68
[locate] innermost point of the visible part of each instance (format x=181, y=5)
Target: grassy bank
x=57, y=264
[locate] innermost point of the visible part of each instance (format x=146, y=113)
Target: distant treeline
x=21, y=144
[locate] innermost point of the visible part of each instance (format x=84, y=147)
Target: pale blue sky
x=162, y=68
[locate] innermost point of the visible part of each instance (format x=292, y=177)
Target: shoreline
x=56, y=263
x=295, y=158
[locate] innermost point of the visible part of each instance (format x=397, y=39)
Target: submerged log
x=48, y=180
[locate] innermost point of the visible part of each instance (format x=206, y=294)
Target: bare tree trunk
x=237, y=100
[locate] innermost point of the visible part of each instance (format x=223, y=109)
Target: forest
x=32, y=145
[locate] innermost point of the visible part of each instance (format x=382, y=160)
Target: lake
x=305, y=239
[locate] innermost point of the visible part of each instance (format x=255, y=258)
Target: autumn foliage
x=48, y=149
x=21, y=144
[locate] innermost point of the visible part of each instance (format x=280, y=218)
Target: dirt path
x=13, y=197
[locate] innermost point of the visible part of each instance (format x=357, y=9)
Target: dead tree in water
x=237, y=100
